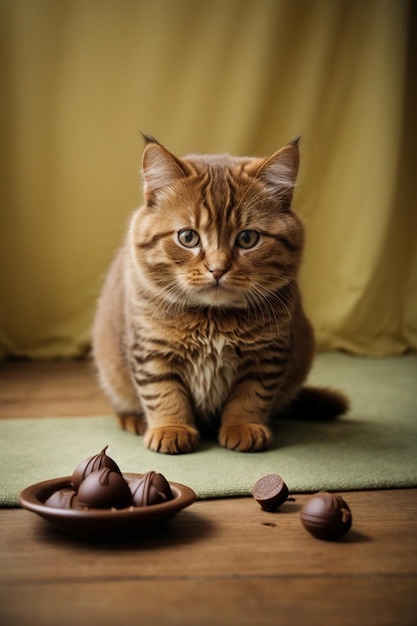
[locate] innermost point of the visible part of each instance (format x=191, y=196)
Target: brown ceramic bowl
x=103, y=522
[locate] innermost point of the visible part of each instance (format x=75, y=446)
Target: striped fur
x=200, y=320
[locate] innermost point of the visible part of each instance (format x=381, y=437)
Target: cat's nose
x=218, y=264
x=217, y=274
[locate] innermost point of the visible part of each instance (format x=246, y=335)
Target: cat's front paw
x=171, y=439
x=245, y=437
x=132, y=423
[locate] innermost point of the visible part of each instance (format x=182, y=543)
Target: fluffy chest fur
x=200, y=349
x=210, y=363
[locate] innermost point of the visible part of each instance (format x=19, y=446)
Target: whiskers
x=171, y=297
x=269, y=304
x=167, y=297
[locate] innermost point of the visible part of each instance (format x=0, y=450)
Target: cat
x=200, y=321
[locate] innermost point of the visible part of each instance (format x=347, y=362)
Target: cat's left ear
x=160, y=168
x=280, y=170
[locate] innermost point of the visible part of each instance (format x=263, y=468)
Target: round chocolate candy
x=104, y=489
x=270, y=492
x=150, y=488
x=326, y=516
x=63, y=499
x=92, y=464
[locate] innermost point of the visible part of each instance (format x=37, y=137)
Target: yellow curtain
x=82, y=78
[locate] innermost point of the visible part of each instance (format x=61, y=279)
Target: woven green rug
x=374, y=446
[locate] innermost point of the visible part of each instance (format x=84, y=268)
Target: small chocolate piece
x=326, y=516
x=270, y=492
x=63, y=499
x=104, y=489
x=92, y=464
x=150, y=488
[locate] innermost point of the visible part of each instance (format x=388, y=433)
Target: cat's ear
x=160, y=168
x=280, y=170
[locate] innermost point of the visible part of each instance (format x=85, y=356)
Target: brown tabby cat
x=200, y=321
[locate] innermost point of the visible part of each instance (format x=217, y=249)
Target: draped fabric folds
x=82, y=78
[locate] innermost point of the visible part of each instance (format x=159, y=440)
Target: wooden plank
x=231, y=537
x=50, y=389
x=286, y=601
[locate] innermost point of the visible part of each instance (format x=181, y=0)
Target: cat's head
x=217, y=230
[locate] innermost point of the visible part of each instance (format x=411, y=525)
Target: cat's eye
x=247, y=239
x=188, y=238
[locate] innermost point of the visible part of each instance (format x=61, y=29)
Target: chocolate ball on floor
x=326, y=516
x=270, y=492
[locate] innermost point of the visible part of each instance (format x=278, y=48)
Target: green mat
x=373, y=446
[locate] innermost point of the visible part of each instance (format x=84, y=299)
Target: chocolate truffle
x=92, y=464
x=63, y=499
x=326, y=516
x=150, y=488
x=104, y=489
x=270, y=491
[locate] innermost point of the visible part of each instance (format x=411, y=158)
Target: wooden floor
x=219, y=562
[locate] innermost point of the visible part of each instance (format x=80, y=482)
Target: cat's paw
x=132, y=423
x=177, y=439
x=245, y=437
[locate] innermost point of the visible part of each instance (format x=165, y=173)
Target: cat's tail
x=317, y=404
